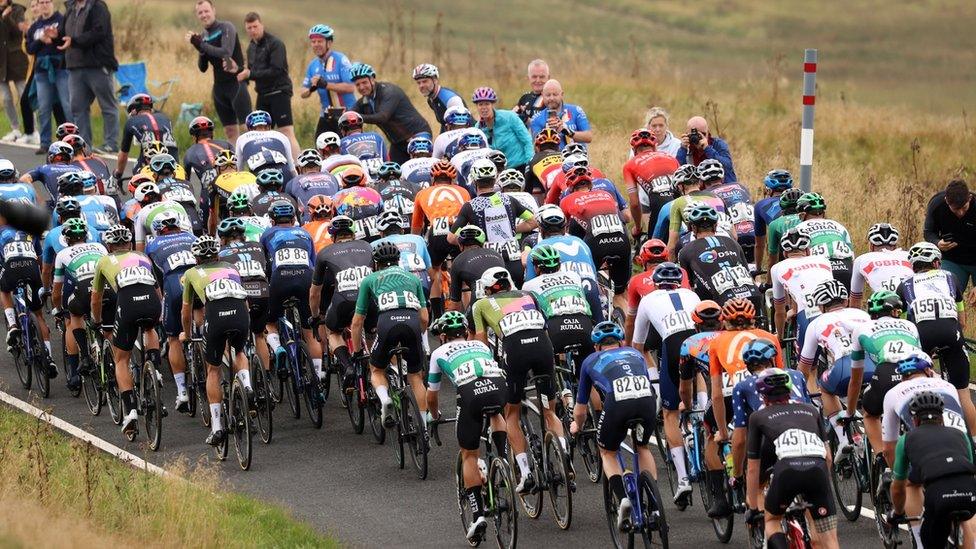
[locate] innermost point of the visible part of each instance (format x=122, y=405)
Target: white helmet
x=481, y=169
x=924, y=252
x=145, y=189
x=511, y=178
x=494, y=275
x=326, y=140
x=425, y=70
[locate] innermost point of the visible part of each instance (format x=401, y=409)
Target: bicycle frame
x=26, y=325
x=630, y=476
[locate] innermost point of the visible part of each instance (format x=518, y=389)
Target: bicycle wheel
x=93, y=393
x=502, y=507
x=152, y=405
x=532, y=501
x=722, y=526
x=415, y=433
x=259, y=379
x=355, y=409
x=661, y=443
x=847, y=487
x=24, y=367
x=375, y=418
x=882, y=507
x=611, y=504
x=196, y=363
x=193, y=400
x=42, y=382
x=560, y=486
x=464, y=508
x=310, y=394
x=292, y=391
x=222, y=448
x=240, y=425
x=113, y=399
x=757, y=535
x=589, y=451
x=396, y=394
x=652, y=513
x=326, y=382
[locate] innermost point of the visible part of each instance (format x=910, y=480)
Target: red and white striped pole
x=806, y=128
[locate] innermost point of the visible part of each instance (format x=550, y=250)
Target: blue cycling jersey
x=364, y=145
x=54, y=242
x=333, y=69
x=574, y=255
x=601, y=369
x=171, y=254
x=572, y=116
x=305, y=186
x=696, y=347
x=97, y=213
x=17, y=192
x=414, y=256
x=288, y=248
x=767, y=210
x=746, y=400
x=48, y=175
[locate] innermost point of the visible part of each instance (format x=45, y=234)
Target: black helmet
x=926, y=405
x=387, y=253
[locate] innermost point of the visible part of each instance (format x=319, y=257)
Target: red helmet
x=139, y=102
x=350, y=120
x=579, y=176
x=641, y=138
x=201, y=124
x=442, y=169
x=653, y=251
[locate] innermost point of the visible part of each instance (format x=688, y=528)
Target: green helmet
x=75, y=228
x=450, y=322
x=811, y=203
x=883, y=303
x=545, y=257
x=238, y=202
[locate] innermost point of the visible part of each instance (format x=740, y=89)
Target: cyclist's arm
x=899, y=474
x=480, y=330
x=753, y=449
x=642, y=325
x=582, y=396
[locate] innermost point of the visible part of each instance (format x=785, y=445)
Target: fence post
x=806, y=131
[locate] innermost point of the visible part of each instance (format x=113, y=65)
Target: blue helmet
x=324, y=31
x=913, y=364
x=420, y=145
x=270, y=178
x=667, y=273
x=758, y=351
x=282, y=210
x=88, y=179
x=458, y=116
x=778, y=180
x=389, y=170
x=605, y=330
x=361, y=70
x=257, y=118
x=471, y=141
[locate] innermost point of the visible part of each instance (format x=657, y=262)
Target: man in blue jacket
x=701, y=145
x=503, y=128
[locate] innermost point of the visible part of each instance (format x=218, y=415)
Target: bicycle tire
x=222, y=448
x=464, y=509
x=661, y=443
x=326, y=382
x=589, y=453
x=375, y=417
x=532, y=501
x=723, y=526
x=847, y=487
x=757, y=535
x=265, y=417
x=355, y=409
x=416, y=434
x=42, y=382
x=292, y=391
x=90, y=386
x=199, y=368
x=25, y=370
x=113, y=397
x=396, y=394
x=240, y=425
x=310, y=385
x=559, y=484
x=192, y=399
x=651, y=503
x=503, y=510
x=621, y=540
x=152, y=405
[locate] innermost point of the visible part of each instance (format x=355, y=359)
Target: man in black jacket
x=89, y=55
x=387, y=106
x=950, y=224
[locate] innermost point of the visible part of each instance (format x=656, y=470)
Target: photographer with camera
x=698, y=144
x=950, y=224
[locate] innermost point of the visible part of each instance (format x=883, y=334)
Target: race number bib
x=930, y=308
x=630, y=387
x=129, y=276
x=674, y=322
x=256, y=160
x=729, y=278
x=468, y=371
x=741, y=212
x=479, y=289
x=508, y=249
x=413, y=262
x=348, y=280
x=894, y=350
x=568, y=305
x=251, y=269
x=366, y=228
x=389, y=301
x=224, y=288
x=836, y=249
x=19, y=248
x=953, y=419
x=182, y=258
x=179, y=194
x=799, y=443
x=291, y=257
x=606, y=224
x=521, y=320
x=85, y=271
x=662, y=184
x=442, y=225
x=730, y=381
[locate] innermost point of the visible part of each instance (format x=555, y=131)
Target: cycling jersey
x=362, y=204
x=444, y=99
x=827, y=238
x=649, y=173
x=74, y=266
x=257, y=150
x=619, y=373
x=777, y=228
x=643, y=284
x=54, y=242
x=554, y=195
x=462, y=362
x=249, y=259
x=676, y=213
x=364, y=146
x=718, y=268
x=525, y=199
x=200, y=156
x=931, y=295
x=559, y=294
x=496, y=214
x=390, y=289
x=98, y=167
x=508, y=313
x=341, y=268
x=467, y=268
x=398, y=195
x=882, y=270
x=572, y=116
x=225, y=184
x=725, y=355
x=262, y=202
x=738, y=206
x=543, y=169
x=417, y=171
x=445, y=145
x=413, y=255
x=766, y=211
x=302, y=187
x=332, y=69
x=338, y=163
x=171, y=254
x=319, y=231
x=663, y=323
x=98, y=212
x=121, y=270
x=146, y=127
x=254, y=227
x=462, y=162
x=180, y=173
x=47, y=175
x=592, y=213
x=557, y=188
x=885, y=340
x=287, y=249
x=783, y=432
x=833, y=333
x=574, y=256
x=181, y=192
x=212, y=282
x=897, y=416
x=142, y=226
x=800, y=276
x=693, y=356
x=936, y=451
x=17, y=192
x=746, y=399
x=436, y=207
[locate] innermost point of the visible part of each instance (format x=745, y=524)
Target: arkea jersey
x=463, y=362
x=650, y=173
x=882, y=271
x=592, y=213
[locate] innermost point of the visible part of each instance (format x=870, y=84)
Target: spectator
x=950, y=224
x=438, y=97
x=504, y=130
x=530, y=104
x=89, y=55
x=267, y=66
x=220, y=49
x=656, y=120
x=13, y=62
x=386, y=105
x=328, y=74
x=47, y=71
x=568, y=120
x=702, y=145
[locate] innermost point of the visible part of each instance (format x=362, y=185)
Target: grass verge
x=56, y=491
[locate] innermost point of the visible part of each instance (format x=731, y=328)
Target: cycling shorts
x=339, y=315
x=612, y=427
x=172, y=304
x=842, y=269
x=566, y=330
x=872, y=399
x=398, y=328
x=709, y=416
x=836, y=379
x=669, y=359
x=441, y=250
x=613, y=245
x=801, y=327
x=257, y=308
x=943, y=497
x=226, y=323
x=288, y=283
x=232, y=102
x=524, y=351
x=141, y=304
x=517, y=270
x=473, y=400
x=278, y=106
x=944, y=335
x=805, y=476
x=22, y=269
x=77, y=299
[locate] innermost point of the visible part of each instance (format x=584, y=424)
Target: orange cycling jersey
x=725, y=355
x=320, y=233
x=437, y=206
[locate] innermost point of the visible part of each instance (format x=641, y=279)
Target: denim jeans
x=86, y=85
x=47, y=93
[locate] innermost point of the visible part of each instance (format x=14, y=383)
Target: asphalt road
x=345, y=485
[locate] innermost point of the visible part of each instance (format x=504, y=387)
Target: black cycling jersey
x=261, y=203
x=718, y=269
x=398, y=195
x=934, y=451
x=530, y=105
x=200, y=156
x=341, y=267
x=468, y=267
x=250, y=260
x=785, y=431
x=182, y=193
x=145, y=127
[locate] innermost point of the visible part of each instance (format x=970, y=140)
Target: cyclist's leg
x=172, y=307
x=338, y=317
x=833, y=384
x=946, y=335
x=668, y=376
x=277, y=292
x=782, y=490
x=714, y=468
x=258, y=318
x=536, y=350
x=411, y=337
x=516, y=374
x=941, y=498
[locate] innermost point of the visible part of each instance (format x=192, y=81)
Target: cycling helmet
x=482, y=170
x=547, y=136
x=778, y=180
x=511, y=178
x=811, y=203
x=469, y=235
x=361, y=70
x=353, y=176
x=794, y=240
x=341, y=224
x=69, y=183
x=225, y=158
x=484, y=93
x=574, y=161
x=788, y=200
x=759, y=351
x=139, y=102
x=238, y=202
x=350, y=120
x=390, y=170
x=205, y=246
x=667, y=274
x=77, y=142
x=420, y=145
x=471, y=141
x=162, y=162
x=451, y=323
x=7, y=170
x=230, y=227
x=88, y=179
x=272, y=178
x=257, y=118
x=710, y=170
x=642, y=138
x=67, y=207
x=458, y=116
x=924, y=253
x=139, y=179
x=152, y=148
x=573, y=148
x=551, y=218
x=165, y=220
x=706, y=311
x=828, y=292
x=926, y=405
x=883, y=234
x=320, y=205
x=495, y=277
x=701, y=214
x=425, y=70
x=65, y=129
x=442, y=169
x=309, y=157
x=545, y=257
x=117, y=234
x=579, y=177
x=389, y=219
x=738, y=311
x=327, y=140
x=322, y=31
x=75, y=227
x=686, y=174
x=498, y=158
x=774, y=383
x=60, y=149
x=884, y=303
x=653, y=251
x=281, y=210
x=201, y=125
x=386, y=253
x=914, y=363
x=607, y=329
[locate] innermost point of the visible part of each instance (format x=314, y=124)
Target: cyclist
x=67, y=208
x=470, y=149
x=545, y=164
x=574, y=158
x=480, y=386
x=163, y=167
x=708, y=171
x=796, y=277
x=74, y=268
x=359, y=202
x=414, y=256
x=366, y=146
x=227, y=181
x=144, y=124
x=511, y=182
x=387, y=106
x=97, y=210
x=935, y=304
x=18, y=252
x=716, y=263
x=329, y=76
x=200, y=156
x=685, y=180
x=827, y=237
x=261, y=148
x=128, y=277
x=340, y=269
x=107, y=183
x=216, y=286
x=290, y=256
x=239, y=206
x=427, y=78
x=10, y=188
x=515, y=318
x=768, y=208
x=59, y=156
x=693, y=359
x=249, y=259
x=458, y=123
x=172, y=255
x=398, y=195
x=310, y=181
x=652, y=253
x=738, y=204
x=320, y=211
x=788, y=218
x=648, y=179
x=663, y=323
x=560, y=296
x=149, y=151
x=333, y=161
x=148, y=194
x=883, y=267
x=398, y=299
x=620, y=373
x=941, y=460
x=787, y=449
x=469, y=265
x=417, y=170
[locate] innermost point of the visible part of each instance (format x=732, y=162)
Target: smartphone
x=949, y=237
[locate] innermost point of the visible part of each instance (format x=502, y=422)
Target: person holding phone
x=568, y=120
x=950, y=224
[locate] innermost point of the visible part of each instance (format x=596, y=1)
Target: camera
x=694, y=137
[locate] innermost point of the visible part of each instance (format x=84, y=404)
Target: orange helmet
x=706, y=311
x=139, y=179
x=546, y=136
x=738, y=310
x=579, y=176
x=320, y=206
x=353, y=176
x=642, y=137
x=653, y=251
x=442, y=169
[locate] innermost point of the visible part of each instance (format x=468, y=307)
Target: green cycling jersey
x=390, y=289
x=507, y=313
x=559, y=294
x=123, y=269
x=463, y=362
x=777, y=228
x=885, y=340
x=211, y=282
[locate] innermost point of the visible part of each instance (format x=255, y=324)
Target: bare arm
x=314, y=296
x=356, y=330
x=738, y=450
x=752, y=484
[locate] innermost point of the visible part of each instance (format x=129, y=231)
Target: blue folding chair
x=132, y=79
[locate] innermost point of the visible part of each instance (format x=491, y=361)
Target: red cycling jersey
x=643, y=169
x=583, y=206
x=642, y=284
x=558, y=186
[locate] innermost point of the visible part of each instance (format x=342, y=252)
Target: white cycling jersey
x=142, y=228
x=896, y=402
x=525, y=199
x=667, y=312
x=930, y=295
x=881, y=270
x=254, y=141
x=423, y=163
x=332, y=163
x=832, y=331
x=445, y=139
x=800, y=276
